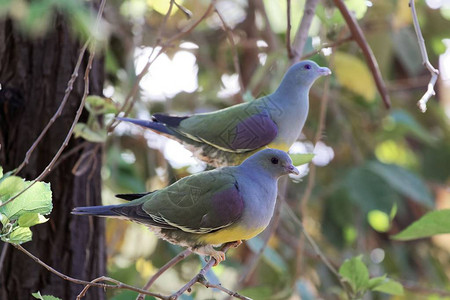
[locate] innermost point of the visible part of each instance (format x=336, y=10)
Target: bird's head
x=276, y=162
x=304, y=73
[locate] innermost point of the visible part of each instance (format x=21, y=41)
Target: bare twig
x=117, y=284
x=312, y=173
x=302, y=32
x=130, y=99
x=58, y=112
x=288, y=30
x=164, y=268
x=230, y=37
x=200, y=278
x=358, y=36
x=328, y=45
x=422, y=103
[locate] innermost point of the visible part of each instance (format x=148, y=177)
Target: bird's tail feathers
x=99, y=211
x=149, y=124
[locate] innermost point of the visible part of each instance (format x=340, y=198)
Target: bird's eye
x=308, y=67
x=274, y=160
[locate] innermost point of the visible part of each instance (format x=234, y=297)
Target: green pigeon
x=230, y=135
x=228, y=204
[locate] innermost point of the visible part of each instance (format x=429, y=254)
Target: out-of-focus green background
x=376, y=170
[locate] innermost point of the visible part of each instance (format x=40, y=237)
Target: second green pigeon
x=230, y=135
x=224, y=205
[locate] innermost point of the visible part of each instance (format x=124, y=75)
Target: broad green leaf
x=31, y=219
x=38, y=295
x=376, y=281
x=403, y=181
x=358, y=7
x=389, y=286
x=353, y=74
x=301, y=158
x=356, y=273
x=87, y=133
x=100, y=105
x=19, y=235
x=37, y=199
x=435, y=222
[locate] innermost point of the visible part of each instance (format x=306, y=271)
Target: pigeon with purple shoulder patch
x=230, y=135
x=228, y=204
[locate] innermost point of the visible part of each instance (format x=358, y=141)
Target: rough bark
x=33, y=76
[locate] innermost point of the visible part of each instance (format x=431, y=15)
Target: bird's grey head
x=304, y=73
x=276, y=162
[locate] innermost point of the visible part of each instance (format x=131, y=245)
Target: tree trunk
x=33, y=77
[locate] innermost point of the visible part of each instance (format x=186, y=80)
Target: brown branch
x=328, y=45
x=164, y=268
x=130, y=99
x=58, y=112
x=422, y=103
x=303, y=29
x=200, y=278
x=358, y=36
x=230, y=38
x=117, y=284
x=288, y=30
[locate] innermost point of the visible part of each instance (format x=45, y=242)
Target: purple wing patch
x=254, y=132
x=227, y=205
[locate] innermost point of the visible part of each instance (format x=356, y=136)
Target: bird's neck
x=292, y=93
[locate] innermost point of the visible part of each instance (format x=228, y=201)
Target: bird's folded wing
x=200, y=203
x=236, y=129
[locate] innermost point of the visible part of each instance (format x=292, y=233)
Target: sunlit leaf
x=31, y=219
x=354, y=75
x=38, y=295
x=432, y=223
x=378, y=220
x=389, y=286
x=19, y=235
x=37, y=199
x=356, y=273
x=376, y=281
x=300, y=158
x=100, y=105
x=87, y=133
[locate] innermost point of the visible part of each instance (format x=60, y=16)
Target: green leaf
x=37, y=199
x=38, y=295
x=96, y=136
x=376, y=281
x=301, y=158
x=435, y=222
x=356, y=273
x=389, y=286
x=403, y=181
x=19, y=235
x=31, y=219
x=100, y=105
x=354, y=75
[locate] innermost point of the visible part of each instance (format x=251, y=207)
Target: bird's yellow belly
x=231, y=234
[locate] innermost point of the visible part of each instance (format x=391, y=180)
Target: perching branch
x=302, y=33
x=422, y=103
x=164, y=268
x=359, y=38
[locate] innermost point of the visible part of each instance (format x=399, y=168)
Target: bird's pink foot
x=236, y=244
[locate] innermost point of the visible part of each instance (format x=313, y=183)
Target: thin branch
x=288, y=30
x=219, y=286
x=303, y=207
x=200, y=278
x=117, y=284
x=130, y=99
x=229, y=34
x=164, y=268
x=422, y=103
x=58, y=112
x=328, y=45
x=358, y=36
x=302, y=33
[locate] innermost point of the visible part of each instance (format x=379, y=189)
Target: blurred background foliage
x=377, y=170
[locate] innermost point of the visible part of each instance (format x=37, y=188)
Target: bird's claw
x=236, y=244
x=219, y=256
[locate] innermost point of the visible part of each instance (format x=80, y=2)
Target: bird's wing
x=199, y=203
x=237, y=129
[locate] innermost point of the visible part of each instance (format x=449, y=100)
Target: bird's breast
x=230, y=234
